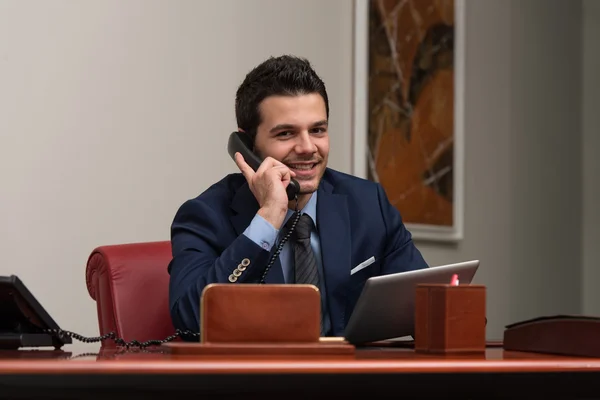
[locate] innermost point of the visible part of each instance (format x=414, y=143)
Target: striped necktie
x=305, y=262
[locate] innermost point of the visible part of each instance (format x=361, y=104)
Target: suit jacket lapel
x=245, y=206
x=334, y=234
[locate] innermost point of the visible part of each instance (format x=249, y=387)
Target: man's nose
x=305, y=144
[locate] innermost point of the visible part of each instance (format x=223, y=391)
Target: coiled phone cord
x=283, y=241
x=60, y=333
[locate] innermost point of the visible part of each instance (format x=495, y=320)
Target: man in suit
x=348, y=231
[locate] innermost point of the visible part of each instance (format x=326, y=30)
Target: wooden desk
x=378, y=371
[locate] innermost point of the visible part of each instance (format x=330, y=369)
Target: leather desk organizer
x=254, y=319
x=568, y=335
x=450, y=319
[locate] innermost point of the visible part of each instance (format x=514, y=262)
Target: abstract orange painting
x=411, y=111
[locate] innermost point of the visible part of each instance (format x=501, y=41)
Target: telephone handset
x=240, y=142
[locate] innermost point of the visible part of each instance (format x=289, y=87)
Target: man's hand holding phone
x=268, y=185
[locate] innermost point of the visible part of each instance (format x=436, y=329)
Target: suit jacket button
x=241, y=267
x=245, y=262
x=236, y=272
x=232, y=278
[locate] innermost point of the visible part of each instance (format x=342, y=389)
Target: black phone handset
x=241, y=142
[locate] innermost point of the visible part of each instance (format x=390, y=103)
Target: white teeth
x=302, y=167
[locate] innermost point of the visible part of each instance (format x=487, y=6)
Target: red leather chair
x=130, y=284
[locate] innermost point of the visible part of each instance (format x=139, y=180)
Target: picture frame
x=362, y=160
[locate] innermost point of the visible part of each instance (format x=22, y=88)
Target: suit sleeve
x=400, y=253
x=199, y=260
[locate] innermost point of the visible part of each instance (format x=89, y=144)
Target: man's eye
x=285, y=133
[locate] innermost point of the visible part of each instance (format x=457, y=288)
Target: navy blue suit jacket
x=356, y=222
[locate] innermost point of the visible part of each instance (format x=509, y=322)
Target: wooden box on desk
x=261, y=320
x=254, y=313
x=450, y=319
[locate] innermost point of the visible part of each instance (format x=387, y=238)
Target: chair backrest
x=130, y=284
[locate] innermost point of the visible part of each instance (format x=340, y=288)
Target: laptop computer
x=386, y=307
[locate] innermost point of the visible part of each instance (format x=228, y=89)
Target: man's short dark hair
x=278, y=76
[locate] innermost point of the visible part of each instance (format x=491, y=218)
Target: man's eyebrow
x=320, y=123
x=282, y=127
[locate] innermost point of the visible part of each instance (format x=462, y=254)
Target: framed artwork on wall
x=409, y=109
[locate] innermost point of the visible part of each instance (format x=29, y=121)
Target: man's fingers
x=246, y=170
x=269, y=166
x=283, y=173
x=270, y=162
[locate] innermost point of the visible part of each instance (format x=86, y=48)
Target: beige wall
x=591, y=161
x=113, y=113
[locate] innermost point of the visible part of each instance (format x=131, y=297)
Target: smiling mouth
x=302, y=167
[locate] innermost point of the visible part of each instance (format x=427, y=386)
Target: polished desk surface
x=384, y=357
x=384, y=366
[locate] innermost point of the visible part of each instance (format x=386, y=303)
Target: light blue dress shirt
x=264, y=234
